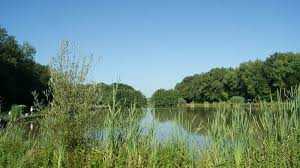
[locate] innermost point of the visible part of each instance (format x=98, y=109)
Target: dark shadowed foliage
x=19, y=73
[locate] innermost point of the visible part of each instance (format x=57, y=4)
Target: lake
x=189, y=124
x=168, y=124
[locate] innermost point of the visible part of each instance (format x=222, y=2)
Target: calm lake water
x=186, y=123
x=167, y=124
x=189, y=124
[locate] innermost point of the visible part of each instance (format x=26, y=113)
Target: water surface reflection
x=170, y=125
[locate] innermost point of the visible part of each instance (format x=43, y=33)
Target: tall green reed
x=237, y=137
x=266, y=138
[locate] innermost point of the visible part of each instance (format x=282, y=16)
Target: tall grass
x=71, y=132
x=268, y=138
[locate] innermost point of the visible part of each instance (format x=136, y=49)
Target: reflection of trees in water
x=192, y=119
x=100, y=116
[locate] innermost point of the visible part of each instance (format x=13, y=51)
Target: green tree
x=214, y=85
x=165, y=98
x=282, y=71
x=252, y=81
x=125, y=95
x=19, y=73
x=187, y=89
x=237, y=99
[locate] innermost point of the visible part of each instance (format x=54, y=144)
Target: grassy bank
x=71, y=134
x=219, y=105
x=267, y=139
x=237, y=139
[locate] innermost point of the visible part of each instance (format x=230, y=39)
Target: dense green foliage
x=269, y=138
x=237, y=100
x=165, y=98
x=19, y=73
x=66, y=135
x=252, y=80
x=16, y=112
x=125, y=95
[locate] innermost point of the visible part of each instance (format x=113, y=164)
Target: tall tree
x=125, y=95
x=282, y=70
x=165, y=98
x=251, y=80
x=253, y=83
x=19, y=73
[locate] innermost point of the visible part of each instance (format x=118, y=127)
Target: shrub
x=181, y=101
x=126, y=95
x=16, y=112
x=165, y=98
x=237, y=100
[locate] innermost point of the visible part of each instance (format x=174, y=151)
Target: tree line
x=165, y=98
x=21, y=75
x=123, y=94
x=250, y=81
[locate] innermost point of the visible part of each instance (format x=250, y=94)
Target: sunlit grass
x=65, y=138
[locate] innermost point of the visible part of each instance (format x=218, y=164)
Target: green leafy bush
x=181, y=101
x=19, y=73
x=237, y=99
x=252, y=80
x=165, y=98
x=125, y=95
x=268, y=139
x=16, y=112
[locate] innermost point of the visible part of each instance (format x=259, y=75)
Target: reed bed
x=72, y=134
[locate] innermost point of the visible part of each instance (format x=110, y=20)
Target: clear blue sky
x=156, y=43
